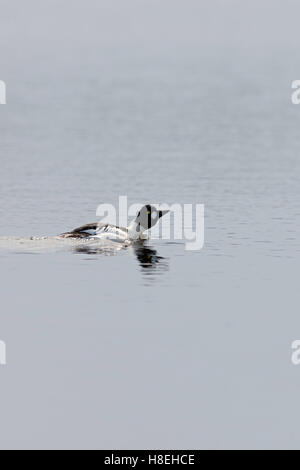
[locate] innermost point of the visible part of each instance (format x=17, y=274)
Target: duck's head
x=147, y=217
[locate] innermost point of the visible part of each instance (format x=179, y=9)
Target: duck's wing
x=97, y=230
x=112, y=232
x=84, y=231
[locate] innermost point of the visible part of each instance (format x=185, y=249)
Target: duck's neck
x=134, y=230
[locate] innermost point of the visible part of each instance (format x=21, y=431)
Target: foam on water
x=57, y=244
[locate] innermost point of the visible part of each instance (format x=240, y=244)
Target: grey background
x=163, y=101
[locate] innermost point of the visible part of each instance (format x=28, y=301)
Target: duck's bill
x=161, y=213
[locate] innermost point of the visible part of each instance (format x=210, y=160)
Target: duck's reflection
x=148, y=258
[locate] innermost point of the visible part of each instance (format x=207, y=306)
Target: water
x=154, y=346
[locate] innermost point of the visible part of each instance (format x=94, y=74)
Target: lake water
x=157, y=347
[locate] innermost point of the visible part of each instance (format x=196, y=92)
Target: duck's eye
x=154, y=215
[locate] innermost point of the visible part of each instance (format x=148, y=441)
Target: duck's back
x=97, y=230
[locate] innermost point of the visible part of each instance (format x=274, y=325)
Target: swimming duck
x=146, y=218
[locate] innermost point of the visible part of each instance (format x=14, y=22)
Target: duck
x=145, y=219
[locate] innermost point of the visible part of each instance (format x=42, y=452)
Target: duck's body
x=145, y=219
x=102, y=231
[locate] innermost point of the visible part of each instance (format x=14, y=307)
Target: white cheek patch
x=154, y=215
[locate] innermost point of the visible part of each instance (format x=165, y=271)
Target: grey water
x=157, y=346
